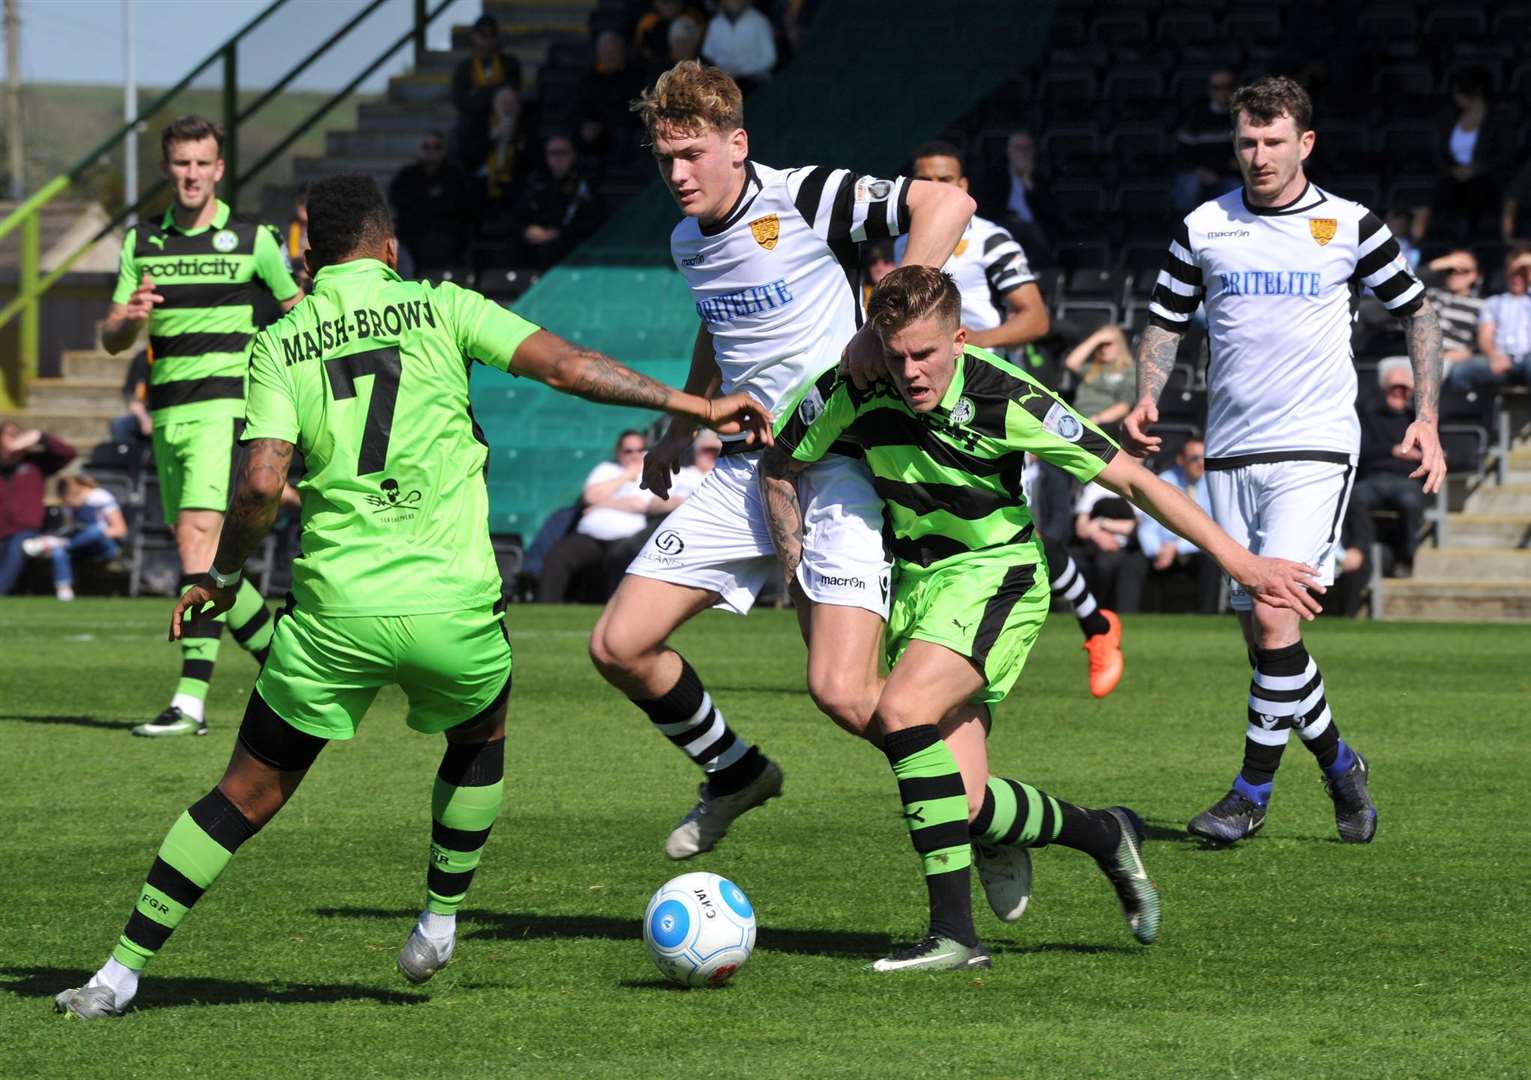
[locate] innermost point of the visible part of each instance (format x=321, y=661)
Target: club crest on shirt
x=962, y=245
x=962, y=412
x=225, y=241
x=1322, y=229
x=766, y=231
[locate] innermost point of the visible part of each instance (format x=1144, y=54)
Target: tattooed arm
x=257, y=497
x=1424, y=337
x=1156, y=359
x=573, y=369
x=784, y=514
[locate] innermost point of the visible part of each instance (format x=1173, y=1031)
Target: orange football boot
x=1105, y=654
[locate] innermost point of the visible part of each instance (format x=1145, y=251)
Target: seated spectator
x=506, y=158
x=1475, y=152
x=741, y=41
x=474, y=81
x=1398, y=222
x=607, y=127
x=27, y=459
x=559, y=209
x=95, y=527
x=1451, y=282
x=135, y=427
x=876, y=260
x=1504, y=331
x=432, y=205
x=685, y=40
x=653, y=36
x=615, y=508
x=1107, y=376
x=1204, y=145
x=1515, y=216
x=1019, y=199
x=1383, y=473
x=1172, y=554
x=1108, y=556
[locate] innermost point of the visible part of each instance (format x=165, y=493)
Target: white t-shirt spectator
x=744, y=47
x=1511, y=316
x=609, y=523
x=98, y=505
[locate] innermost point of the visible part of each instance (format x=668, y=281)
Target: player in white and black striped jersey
x=1278, y=265
x=1003, y=310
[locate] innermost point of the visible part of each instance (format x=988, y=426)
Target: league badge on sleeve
x=766, y=231
x=1062, y=423
x=1322, y=229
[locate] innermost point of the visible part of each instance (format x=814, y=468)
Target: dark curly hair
x=1267, y=99
x=346, y=213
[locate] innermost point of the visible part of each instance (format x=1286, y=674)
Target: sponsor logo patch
x=1322, y=229
x=669, y=542
x=766, y=231
x=392, y=498
x=873, y=190
x=811, y=407
x=693, y=260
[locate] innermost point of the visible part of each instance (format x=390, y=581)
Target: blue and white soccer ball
x=700, y=929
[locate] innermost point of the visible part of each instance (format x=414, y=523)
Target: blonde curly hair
x=690, y=98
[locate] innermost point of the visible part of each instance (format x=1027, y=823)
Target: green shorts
x=323, y=671
x=194, y=461
x=989, y=609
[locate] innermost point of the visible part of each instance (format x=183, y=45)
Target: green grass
x=1290, y=955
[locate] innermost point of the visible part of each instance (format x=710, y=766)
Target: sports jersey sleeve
x=271, y=265
x=485, y=331
x=1381, y=267
x=271, y=410
x=1179, y=289
x=839, y=205
x=808, y=437
x=127, y=270
x=1041, y=424
x=1004, y=263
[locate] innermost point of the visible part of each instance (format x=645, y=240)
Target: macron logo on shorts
x=835, y=582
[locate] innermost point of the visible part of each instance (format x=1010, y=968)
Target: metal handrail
x=31, y=286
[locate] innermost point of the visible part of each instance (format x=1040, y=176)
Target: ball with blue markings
x=700, y=929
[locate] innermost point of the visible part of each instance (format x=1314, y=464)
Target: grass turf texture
x=1291, y=954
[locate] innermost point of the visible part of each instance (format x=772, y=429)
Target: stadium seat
x=1452, y=22
x=1082, y=204
x=1139, y=149
x=1086, y=254
x=1409, y=192
x=459, y=275
x=1068, y=84
x=1184, y=27
x=1188, y=85
x=1084, y=317
x=1071, y=148
x=1147, y=200
x=1119, y=28
x=1262, y=26
x=505, y=282
x=1408, y=145
x=1134, y=91
x=1097, y=283
x=1050, y=281
x=1388, y=21
x=1360, y=189
x=1512, y=23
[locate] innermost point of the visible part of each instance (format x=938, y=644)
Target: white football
x=700, y=929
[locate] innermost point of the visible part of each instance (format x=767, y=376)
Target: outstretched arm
x=1156, y=359
x=257, y=497
x=1424, y=337
x=784, y=514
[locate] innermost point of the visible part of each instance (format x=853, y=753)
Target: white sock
x=190, y=707
x=123, y=981
x=441, y=929
x=64, y=592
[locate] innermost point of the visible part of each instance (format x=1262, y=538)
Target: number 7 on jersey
x=384, y=365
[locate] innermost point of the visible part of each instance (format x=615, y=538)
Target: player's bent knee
x=846, y=700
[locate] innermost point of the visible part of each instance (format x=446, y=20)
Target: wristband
x=224, y=581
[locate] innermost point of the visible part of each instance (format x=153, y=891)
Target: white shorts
x=718, y=539
x=1284, y=510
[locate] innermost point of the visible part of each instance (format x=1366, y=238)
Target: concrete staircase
x=1484, y=571
x=388, y=132
x=78, y=406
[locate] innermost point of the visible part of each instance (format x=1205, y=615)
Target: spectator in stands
x=1515, y=215
x=1475, y=152
x=741, y=41
x=474, y=81
x=1020, y=200
x=27, y=459
x=506, y=149
x=1107, y=376
x=559, y=208
x=95, y=527
x=652, y=36
x=685, y=40
x=1105, y=549
x=135, y=427
x=1171, y=554
x=607, y=127
x=1451, y=282
x=1204, y=143
x=432, y=203
x=1504, y=330
x=1399, y=220
x=1383, y=474
x=1357, y=534
x=297, y=240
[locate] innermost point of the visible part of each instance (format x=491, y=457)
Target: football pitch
x=1289, y=955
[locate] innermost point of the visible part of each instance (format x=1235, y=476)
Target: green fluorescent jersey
x=368, y=376
x=951, y=478
x=199, y=338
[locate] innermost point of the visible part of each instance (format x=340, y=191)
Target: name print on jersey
x=387, y=321
x=745, y=302
x=1270, y=283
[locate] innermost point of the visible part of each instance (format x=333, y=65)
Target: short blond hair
x=910, y=293
x=690, y=98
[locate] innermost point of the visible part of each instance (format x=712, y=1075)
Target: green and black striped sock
x=1018, y=815
x=195, y=851
x=936, y=813
x=200, y=638
x=250, y=622
x=464, y=803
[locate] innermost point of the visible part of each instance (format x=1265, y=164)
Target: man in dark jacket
x=432, y=199
x=474, y=81
x=559, y=209
x=1384, y=482
x=27, y=459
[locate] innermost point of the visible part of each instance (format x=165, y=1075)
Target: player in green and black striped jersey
x=192, y=277
x=945, y=438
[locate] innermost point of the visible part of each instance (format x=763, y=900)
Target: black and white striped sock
x=1070, y=584
x=688, y=718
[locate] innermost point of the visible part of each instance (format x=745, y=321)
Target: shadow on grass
x=652, y=984
x=169, y=993
x=1175, y=834
x=70, y=721
x=529, y=926
x=1063, y=947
